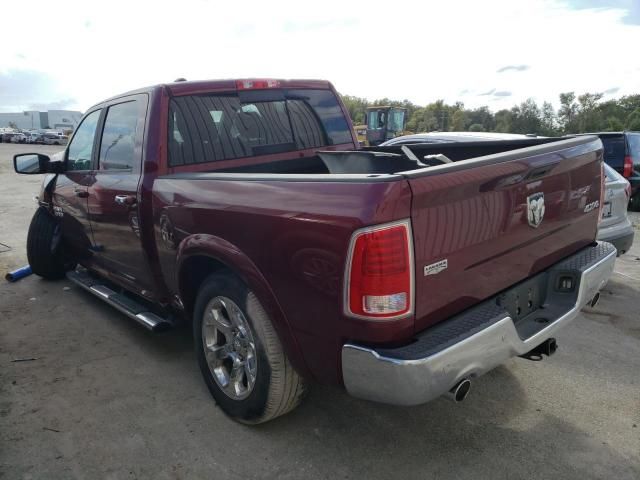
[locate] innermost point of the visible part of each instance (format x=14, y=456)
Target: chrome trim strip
x=101, y=291
x=148, y=320
x=368, y=375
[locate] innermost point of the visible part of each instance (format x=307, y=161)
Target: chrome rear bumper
x=475, y=341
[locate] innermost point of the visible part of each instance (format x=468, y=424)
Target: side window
x=117, y=148
x=81, y=147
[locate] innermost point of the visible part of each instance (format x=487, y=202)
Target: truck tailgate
x=479, y=225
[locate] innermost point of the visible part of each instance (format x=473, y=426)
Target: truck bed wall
x=465, y=150
x=296, y=233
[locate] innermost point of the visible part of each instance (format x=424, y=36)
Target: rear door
x=113, y=194
x=482, y=225
x=71, y=192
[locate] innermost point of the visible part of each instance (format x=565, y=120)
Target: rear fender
x=241, y=265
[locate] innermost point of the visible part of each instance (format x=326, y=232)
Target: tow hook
x=548, y=348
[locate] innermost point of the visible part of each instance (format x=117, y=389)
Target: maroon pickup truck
x=246, y=208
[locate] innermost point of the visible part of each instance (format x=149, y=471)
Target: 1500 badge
x=591, y=206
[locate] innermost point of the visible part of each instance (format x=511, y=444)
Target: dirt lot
x=102, y=398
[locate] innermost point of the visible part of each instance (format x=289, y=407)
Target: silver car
x=615, y=227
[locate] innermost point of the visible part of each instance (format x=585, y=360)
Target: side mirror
x=34, y=163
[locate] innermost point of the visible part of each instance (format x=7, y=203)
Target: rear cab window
x=215, y=127
x=614, y=149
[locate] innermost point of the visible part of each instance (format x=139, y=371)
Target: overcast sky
x=491, y=52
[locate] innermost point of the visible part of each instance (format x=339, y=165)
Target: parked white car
x=19, y=138
x=34, y=137
x=55, y=139
x=615, y=226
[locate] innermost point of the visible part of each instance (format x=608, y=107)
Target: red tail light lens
x=379, y=276
x=627, y=170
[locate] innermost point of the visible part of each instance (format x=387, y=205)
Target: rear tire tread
x=286, y=388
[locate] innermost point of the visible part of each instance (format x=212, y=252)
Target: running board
x=131, y=308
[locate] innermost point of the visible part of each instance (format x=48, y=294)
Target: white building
x=51, y=119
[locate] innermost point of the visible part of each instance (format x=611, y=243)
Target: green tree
x=357, y=108
x=503, y=121
x=526, y=117
x=633, y=120
x=614, y=125
x=568, y=112
x=459, y=121
x=483, y=116
x=476, y=127
x=589, y=116
x=548, y=120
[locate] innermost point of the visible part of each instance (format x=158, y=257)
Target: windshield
x=396, y=120
x=376, y=119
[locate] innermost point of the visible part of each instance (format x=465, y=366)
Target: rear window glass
x=614, y=150
x=634, y=146
x=206, y=128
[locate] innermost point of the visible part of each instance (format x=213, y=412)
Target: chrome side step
x=131, y=308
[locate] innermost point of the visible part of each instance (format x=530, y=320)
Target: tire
x=277, y=388
x=45, y=249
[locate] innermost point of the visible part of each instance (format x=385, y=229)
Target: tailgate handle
x=539, y=172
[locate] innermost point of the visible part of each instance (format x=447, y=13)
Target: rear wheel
x=45, y=248
x=240, y=355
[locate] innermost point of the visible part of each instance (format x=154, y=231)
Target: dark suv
x=622, y=152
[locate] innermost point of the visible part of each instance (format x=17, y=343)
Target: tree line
x=577, y=114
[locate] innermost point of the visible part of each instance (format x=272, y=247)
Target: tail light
x=379, y=272
x=627, y=170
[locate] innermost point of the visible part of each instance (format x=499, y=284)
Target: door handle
x=81, y=193
x=125, y=199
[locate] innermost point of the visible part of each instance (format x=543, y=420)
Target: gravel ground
x=102, y=398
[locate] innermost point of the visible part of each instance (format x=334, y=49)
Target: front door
x=113, y=196
x=72, y=189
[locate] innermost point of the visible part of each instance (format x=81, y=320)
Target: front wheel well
x=193, y=272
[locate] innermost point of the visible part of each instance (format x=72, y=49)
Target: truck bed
x=295, y=226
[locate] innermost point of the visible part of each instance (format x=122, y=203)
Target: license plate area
x=606, y=210
x=525, y=298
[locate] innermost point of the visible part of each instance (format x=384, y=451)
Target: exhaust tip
x=595, y=300
x=458, y=393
